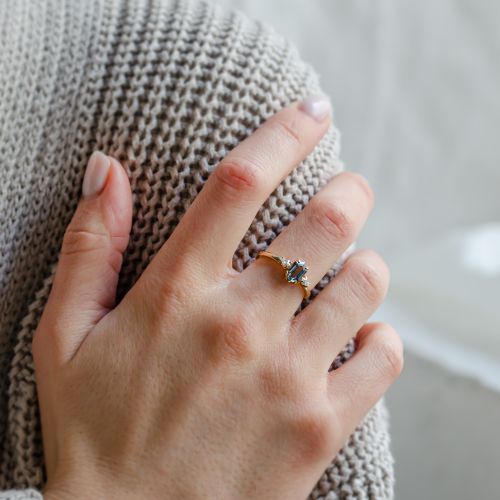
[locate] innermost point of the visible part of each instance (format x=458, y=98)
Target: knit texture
x=168, y=88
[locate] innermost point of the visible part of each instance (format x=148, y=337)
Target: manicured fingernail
x=363, y=177
x=316, y=106
x=96, y=174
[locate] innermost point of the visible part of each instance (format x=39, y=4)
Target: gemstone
x=296, y=271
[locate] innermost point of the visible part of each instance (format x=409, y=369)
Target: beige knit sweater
x=168, y=87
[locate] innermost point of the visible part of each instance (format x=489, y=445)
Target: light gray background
x=445, y=435
x=416, y=91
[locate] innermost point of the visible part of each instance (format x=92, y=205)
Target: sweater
x=168, y=88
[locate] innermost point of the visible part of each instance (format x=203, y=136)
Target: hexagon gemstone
x=296, y=272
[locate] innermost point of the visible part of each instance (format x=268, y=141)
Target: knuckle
x=79, y=240
x=235, y=339
x=237, y=176
x=290, y=131
x=313, y=433
x=332, y=220
x=369, y=283
x=162, y=300
x=47, y=342
x=390, y=356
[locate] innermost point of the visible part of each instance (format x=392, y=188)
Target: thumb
x=84, y=288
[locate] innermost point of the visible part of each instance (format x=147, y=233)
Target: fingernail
x=96, y=174
x=363, y=177
x=316, y=106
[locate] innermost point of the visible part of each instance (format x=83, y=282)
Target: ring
x=295, y=272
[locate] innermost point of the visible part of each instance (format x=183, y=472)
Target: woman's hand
x=202, y=383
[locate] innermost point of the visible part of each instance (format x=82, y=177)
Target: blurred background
x=416, y=90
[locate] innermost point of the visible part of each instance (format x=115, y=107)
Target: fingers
x=325, y=326
x=212, y=228
x=84, y=287
x=319, y=235
x=358, y=384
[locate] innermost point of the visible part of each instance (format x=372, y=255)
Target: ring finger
x=319, y=235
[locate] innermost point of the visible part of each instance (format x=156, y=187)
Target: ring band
x=295, y=272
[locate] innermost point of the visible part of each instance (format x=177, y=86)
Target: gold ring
x=295, y=272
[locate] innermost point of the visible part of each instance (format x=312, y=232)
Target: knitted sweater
x=167, y=87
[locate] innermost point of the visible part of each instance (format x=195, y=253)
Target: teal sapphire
x=296, y=271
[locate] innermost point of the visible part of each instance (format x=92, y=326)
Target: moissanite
x=285, y=263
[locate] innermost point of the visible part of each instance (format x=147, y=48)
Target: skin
x=201, y=383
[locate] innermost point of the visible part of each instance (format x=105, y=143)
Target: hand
x=201, y=383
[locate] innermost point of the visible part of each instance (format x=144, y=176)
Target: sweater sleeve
x=168, y=88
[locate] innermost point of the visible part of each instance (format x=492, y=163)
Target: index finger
x=217, y=221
